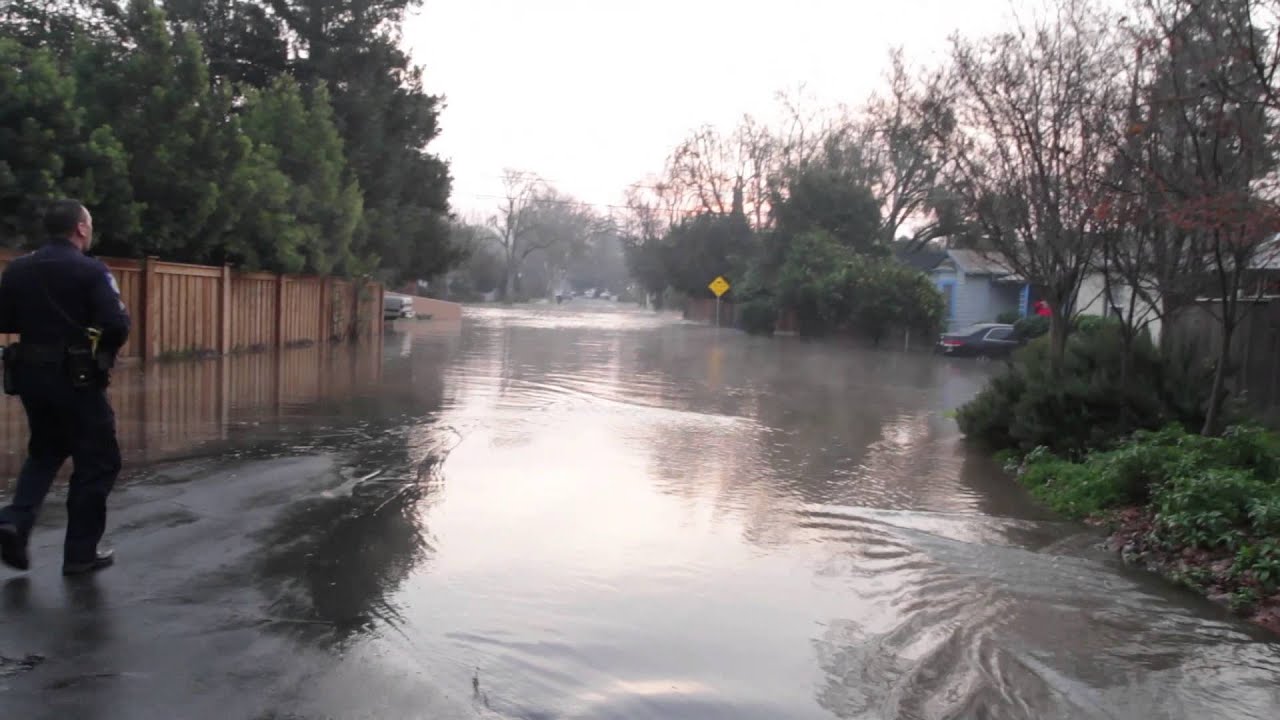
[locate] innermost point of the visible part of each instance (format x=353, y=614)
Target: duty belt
x=39, y=354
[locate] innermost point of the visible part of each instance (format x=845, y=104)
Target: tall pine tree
x=47, y=149
x=299, y=136
x=154, y=87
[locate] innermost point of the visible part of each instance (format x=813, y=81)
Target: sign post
x=719, y=286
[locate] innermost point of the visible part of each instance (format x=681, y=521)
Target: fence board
x=253, y=302
x=1255, y=374
x=172, y=268
x=344, y=307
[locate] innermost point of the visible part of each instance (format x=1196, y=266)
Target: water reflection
x=651, y=519
x=168, y=410
x=612, y=514
x=329, y=564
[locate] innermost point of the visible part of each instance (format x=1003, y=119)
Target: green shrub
x=1205, y=509
x=829, y=287
x=1073, y=489
x=1259, y=562
x=1009, y=317
x=758, y=316
x=1264, y=514
x=1087, y=403
x=1136, y=467
x=985, y=418
x=1031, y=327
x=1220, y=495
x=1253, y=447
x=1091, y=324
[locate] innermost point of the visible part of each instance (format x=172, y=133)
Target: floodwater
x=595, y=512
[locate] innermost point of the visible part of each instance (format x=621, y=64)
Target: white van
x=397, y=306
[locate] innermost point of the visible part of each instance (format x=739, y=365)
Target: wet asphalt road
x=592, y=512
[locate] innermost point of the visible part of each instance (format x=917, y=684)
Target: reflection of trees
x=331, y=563
x=818, y=409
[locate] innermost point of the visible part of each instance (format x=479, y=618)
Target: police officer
x=57, y=299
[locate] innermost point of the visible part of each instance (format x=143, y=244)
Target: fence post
x=326, y=321
x=353, y=332
x=279, y=339
x=150, y=334
x=224, y=328
x=380, y=313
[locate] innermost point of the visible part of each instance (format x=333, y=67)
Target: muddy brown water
x=600, y=512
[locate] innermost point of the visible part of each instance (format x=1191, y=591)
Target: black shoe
x=103, y=559
x=13, y=549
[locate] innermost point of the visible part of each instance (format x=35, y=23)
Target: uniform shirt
x=51, y=296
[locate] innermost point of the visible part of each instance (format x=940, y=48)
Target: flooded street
x=593, y=512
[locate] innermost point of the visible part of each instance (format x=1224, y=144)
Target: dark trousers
x=66, y=422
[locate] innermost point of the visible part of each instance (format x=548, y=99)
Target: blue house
x=977, y=287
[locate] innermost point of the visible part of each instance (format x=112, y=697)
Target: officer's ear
x=85, y=228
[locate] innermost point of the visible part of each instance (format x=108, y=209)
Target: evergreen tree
x=154, y=87
x=47, y=150
x=299, y=136
x=244, y=42
x=286, y=134
x=386, y=120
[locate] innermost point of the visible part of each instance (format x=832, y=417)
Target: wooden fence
x=1255, y=346
x=703, y=310
x=180, y=309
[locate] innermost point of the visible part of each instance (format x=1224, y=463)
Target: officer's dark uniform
x=51, y=297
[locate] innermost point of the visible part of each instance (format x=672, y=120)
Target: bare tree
x=562, y=231
x=756, y=159
x=709, y=171
x=514, y=222
x=906, y=133
x=804, y=129
x=1213, y=86
x=1250, y=28
x=699, y=169
x=1033, y=108
x=1147, y=264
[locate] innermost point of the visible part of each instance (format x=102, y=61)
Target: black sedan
x=984, y=340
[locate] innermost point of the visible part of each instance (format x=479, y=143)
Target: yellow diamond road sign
x=719, y=286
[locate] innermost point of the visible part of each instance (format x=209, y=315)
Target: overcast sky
x=593, y=94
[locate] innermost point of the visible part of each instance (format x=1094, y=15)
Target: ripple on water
x=647, y=519
x=971, y=621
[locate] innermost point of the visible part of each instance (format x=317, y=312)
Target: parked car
x=397, y=306
x=983, y=340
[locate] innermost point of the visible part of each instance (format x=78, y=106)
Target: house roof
x=1267, y=256
x=924, y=260
x=976, y=262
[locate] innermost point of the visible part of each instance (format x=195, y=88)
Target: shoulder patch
x=111, y=280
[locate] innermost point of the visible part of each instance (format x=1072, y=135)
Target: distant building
x=977, y=287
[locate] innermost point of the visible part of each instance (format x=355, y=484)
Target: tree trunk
x=1230, y=320
x=1168, y=319
x=1059, y=327
x=509, y=279
x=1217, y=395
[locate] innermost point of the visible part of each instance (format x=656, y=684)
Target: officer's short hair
x=62, y=217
